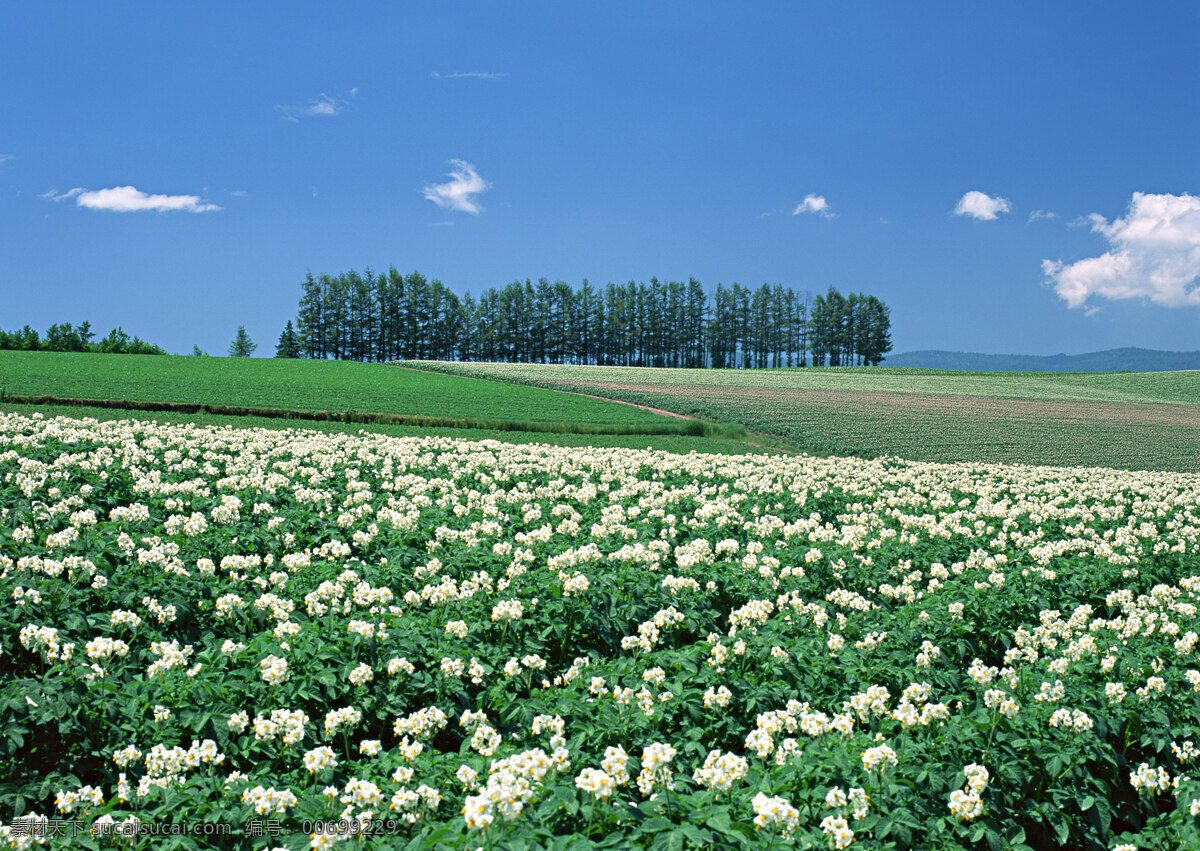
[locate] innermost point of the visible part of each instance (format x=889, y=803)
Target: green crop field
x=300, y=640
x=680, y=444
x=1145, y=421
x=298, y=385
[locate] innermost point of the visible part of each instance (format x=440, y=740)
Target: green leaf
x=1061, y=829
x=994, y=840
x=719, y=820
x=697, y=835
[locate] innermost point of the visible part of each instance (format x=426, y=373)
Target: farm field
x=676, y=443
x=1145, y=387
x=1140, y=421
x=447, y=644
x=299, y=385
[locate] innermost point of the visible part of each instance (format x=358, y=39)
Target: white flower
x=361, y=675
x=274, y=670
x=595, y=782
x=656, y=768
x=721, y=771
x=878, y=758
x=318, y=759
x=775, y=813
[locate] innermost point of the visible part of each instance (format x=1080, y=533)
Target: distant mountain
x=1112, y=360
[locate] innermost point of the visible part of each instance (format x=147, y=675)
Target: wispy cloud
x=320, y=107
x=1039, y=215
x=981, y=206
x=1154, y=253
x=814, y=204
x=470, y=75
x=6, y=158
x=127, y=199
x=55, y=195
x=460, y=191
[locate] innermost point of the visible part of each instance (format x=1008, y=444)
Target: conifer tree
x=289, y=344
x=242, y=346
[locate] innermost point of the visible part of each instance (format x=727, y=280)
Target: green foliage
x=242, y=346
x=808, y=589
x=302, y=385
x=67, y=338
x=369, y=317
x=289, y=343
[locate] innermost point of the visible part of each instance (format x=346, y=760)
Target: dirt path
x=760, y=440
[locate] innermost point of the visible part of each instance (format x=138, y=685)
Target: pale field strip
x=1145, y=421
x=1163, y=387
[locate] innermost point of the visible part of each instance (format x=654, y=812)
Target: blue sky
x=1015, y=177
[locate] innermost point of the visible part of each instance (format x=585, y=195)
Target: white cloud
x=474, y=75
x=127, y=199
x=321, y=107
x=53, y=194
x=6, y=157
x=981, y=206
x=814, y=204
x=1038, y=215
x=460, y=191
x=1154, y=254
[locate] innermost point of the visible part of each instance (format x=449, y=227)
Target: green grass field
x=298, y=385
x=1147, y=421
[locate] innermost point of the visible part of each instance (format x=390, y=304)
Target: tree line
x=394, y=316
x=65, y=337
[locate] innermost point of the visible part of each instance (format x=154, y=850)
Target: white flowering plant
x=483, y=644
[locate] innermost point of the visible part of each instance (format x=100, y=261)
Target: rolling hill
x=1110, y=360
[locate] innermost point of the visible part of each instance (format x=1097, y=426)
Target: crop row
x=1181, y=387
x=296, y=384
x=682, y=443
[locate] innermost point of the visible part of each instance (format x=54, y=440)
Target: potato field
x=319, y=639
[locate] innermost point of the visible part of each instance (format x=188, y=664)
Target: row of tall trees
x=65, y=337
x=392, y=316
